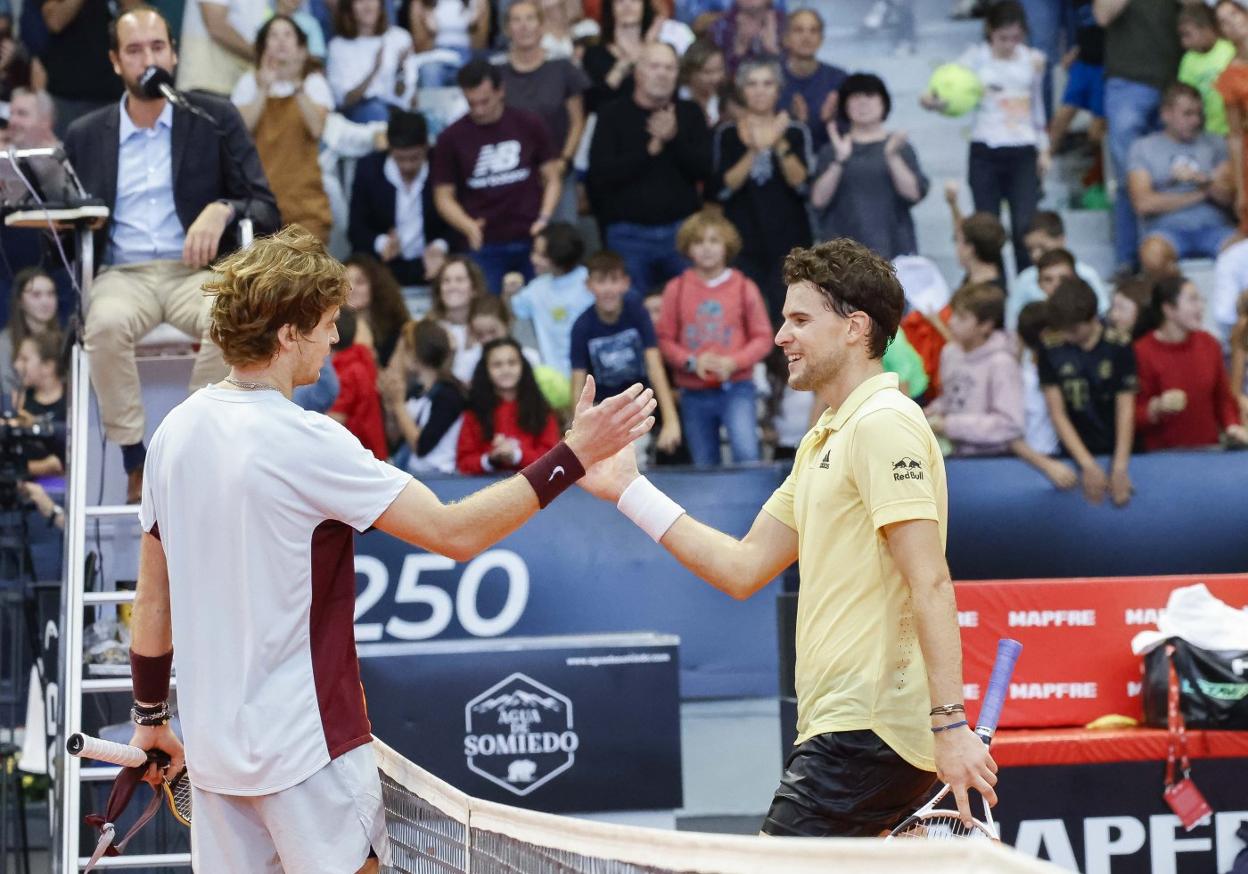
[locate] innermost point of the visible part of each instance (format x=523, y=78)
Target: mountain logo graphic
x=519, y=734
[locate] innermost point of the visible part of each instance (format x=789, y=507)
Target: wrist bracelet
x=648, y=508
x=150, y=716
x=939, y=728
x=946, y=709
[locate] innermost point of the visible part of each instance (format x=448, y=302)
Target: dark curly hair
x=852, y=279
x=533, y=410
x=284, y=279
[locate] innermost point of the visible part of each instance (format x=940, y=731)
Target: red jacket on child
x=473, y=447
x=358, y=400
x=1196, y=367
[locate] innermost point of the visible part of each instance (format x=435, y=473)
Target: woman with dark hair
x=508, y=424
x=761, y=167
x=32, y=311
x=702, y=72
x=1010, y=141
x=365, y=61
x=609, y=64
x=429, y=419
x=1185, y=398
x=378, y=301
x=867, y=180
x=284, y=102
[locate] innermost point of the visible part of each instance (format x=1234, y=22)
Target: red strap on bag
x=1187, y=802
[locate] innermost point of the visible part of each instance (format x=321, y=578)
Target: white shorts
x=326, y=824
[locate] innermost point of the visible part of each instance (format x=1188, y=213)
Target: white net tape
x=436, y=829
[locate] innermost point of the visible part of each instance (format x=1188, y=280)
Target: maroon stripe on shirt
x=335, y=670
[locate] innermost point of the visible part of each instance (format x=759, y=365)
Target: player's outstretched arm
x=962, y=759
x=463, y=529
x=736, y=567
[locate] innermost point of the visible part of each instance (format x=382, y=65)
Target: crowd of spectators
x=609, y=188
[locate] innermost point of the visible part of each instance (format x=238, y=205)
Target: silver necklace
x=251, y=386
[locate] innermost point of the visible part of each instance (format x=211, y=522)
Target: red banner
x=1077, y=663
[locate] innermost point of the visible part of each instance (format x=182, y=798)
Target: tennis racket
x=177, y=790
x=938, y=824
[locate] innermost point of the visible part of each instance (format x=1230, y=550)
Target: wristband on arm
x=554, y=472
x=648, y=508
x=149, y=676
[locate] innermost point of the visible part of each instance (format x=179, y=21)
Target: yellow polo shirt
x=868, y=464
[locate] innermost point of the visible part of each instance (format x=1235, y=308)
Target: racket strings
x=179, y=791
x=942, y=825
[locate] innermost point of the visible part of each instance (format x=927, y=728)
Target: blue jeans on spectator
x=1045, y=22
x=1131, y=112
x=498, y=259
x=370, y=109
x=649, y=253
x=732, y=405
x=1007, y=172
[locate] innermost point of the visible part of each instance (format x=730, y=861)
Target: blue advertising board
x=579, y=567
x=560, y=724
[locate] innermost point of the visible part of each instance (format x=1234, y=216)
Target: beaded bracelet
x=940, y=728
x=946, y=710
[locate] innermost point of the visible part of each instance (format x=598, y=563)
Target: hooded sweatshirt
x=982, y=397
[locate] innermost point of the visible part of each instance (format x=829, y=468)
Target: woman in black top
x=429, y=419
x=40, y=363
x=609, y=63
x=867, y=180
x=762, y=163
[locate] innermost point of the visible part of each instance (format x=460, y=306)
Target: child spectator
x=457, y=285
x=377, y=301
x=1053, y=268
x=713, y=329
x=614, y=342
x=40, y=364
x=430, y=420
x=980, y=408
x=1204, y=58
x=557, y=294
x=1088, y=375
x=1047, y=232
x=1131, y=297
x=1038, y=445
x=1184, y=398
x=489, y=319
x=1010, y=140
x=32, y=311
x=508, y=423
x=1085, y=80
x=358, y=407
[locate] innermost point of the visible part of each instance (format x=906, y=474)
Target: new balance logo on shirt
x=498, y=164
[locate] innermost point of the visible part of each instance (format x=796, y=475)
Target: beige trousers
x=127, y=302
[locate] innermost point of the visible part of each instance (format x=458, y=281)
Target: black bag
x=1214, y=686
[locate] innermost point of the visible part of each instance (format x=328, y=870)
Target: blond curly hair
x=284, y=279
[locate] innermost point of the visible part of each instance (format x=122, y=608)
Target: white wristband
x=648, y=508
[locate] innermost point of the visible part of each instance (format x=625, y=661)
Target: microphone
x=157, y=82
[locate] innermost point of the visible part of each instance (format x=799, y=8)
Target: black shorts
x=846, y=784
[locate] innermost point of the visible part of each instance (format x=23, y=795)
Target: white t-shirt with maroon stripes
x=255, y=501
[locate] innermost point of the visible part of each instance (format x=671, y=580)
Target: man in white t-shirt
x=249, y=510
x=218, y=43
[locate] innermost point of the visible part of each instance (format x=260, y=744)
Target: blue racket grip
x=998, y=686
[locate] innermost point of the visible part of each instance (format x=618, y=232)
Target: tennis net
x=436, y=829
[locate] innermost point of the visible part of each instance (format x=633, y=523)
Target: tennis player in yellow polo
x=879, y=659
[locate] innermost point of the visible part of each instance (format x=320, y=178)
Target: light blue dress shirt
x=145, y=221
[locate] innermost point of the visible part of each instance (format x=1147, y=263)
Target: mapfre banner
x=1076, y=663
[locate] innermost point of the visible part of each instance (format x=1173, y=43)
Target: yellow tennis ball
x=957, y=87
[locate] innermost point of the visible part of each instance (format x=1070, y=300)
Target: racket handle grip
x=998, y=687
x=87, y=747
